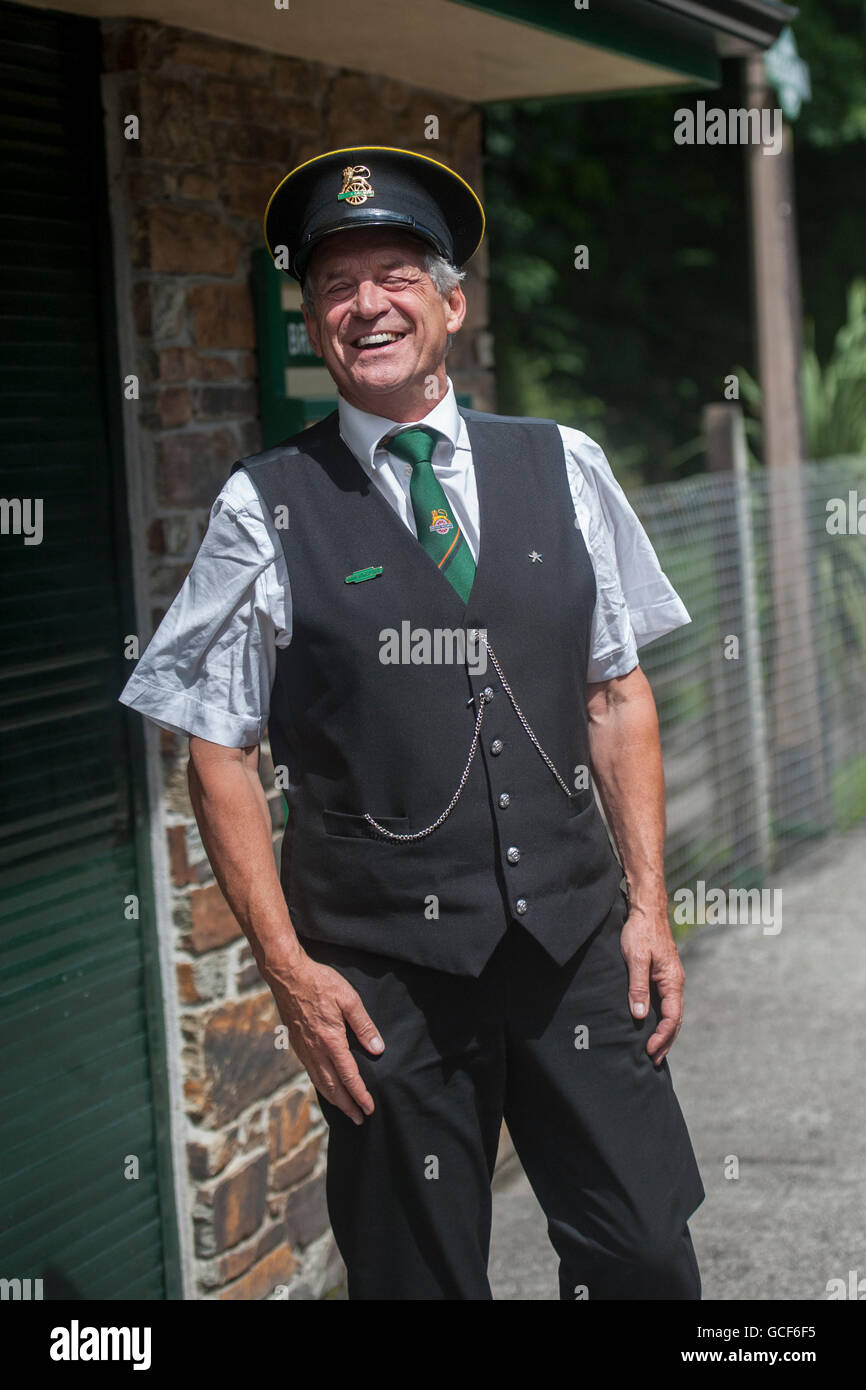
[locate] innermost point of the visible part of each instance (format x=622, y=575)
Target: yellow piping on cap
x=390, y=149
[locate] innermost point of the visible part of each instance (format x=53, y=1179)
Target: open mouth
x=376, y=342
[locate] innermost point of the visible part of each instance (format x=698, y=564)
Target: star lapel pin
x=535, y=557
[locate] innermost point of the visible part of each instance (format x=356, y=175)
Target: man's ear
x=455, y=310
x=312, y=331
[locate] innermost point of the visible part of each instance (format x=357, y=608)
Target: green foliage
x=630, y=349
x=831, y=36
x=849, y=793
x=622, y=349
x=688, y=702
x=833, y=395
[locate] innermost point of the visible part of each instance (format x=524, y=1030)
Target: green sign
x=787, y=72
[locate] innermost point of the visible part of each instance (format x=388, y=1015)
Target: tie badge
x=356, y=186
x=441, y=522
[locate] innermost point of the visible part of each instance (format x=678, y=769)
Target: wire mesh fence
x=762, y=698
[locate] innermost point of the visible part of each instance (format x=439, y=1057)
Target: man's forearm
x=314, y=1001
x=627, y=766
x=233, y=817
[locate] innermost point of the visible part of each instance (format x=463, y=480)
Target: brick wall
x=219, y=126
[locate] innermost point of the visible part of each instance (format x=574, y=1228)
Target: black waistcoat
x=359, y=734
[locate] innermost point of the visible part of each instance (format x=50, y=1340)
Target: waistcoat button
x=487, y=692
x=496, y=746
x=512, y=854
x=504, y=800
x=521, y=906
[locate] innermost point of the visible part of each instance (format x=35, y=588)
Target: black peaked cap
x=371, y=186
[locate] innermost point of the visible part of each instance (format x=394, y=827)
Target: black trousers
x=596, y=1125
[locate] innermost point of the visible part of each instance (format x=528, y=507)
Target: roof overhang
x=485, y=50
x=739, y=26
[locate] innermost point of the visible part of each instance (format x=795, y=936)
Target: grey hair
x=445, y=277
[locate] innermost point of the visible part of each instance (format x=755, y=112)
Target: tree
x=630, y=348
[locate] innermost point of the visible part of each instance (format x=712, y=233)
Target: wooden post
x=800, y=772
x=739, y=688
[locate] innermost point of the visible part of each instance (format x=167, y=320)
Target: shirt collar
x=362, y=431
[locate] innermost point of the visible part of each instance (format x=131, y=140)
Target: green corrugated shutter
x=79, y=1075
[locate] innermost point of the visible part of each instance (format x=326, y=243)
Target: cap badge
x=441, y=522
x=356, y=188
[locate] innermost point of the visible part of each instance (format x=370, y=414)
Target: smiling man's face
x=379, y=323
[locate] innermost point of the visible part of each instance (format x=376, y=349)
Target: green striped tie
x=438, y=529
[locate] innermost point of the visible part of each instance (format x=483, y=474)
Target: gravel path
x=769, y=1068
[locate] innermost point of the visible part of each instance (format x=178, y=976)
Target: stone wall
x=219, y=126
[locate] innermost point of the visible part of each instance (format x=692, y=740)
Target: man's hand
x=651, y=954
x=315, y=1003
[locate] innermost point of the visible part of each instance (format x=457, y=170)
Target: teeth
x=373, y=339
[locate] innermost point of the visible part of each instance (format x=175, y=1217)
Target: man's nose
x=370, y=299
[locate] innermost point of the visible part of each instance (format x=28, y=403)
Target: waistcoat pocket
x=578, y=801
x=357, y=828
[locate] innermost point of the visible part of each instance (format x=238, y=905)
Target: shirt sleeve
x=635, y=603
x=209, y=667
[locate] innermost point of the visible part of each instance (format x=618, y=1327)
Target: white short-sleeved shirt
x=209, y=667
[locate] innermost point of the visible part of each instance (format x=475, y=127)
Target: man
x=440, y=625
